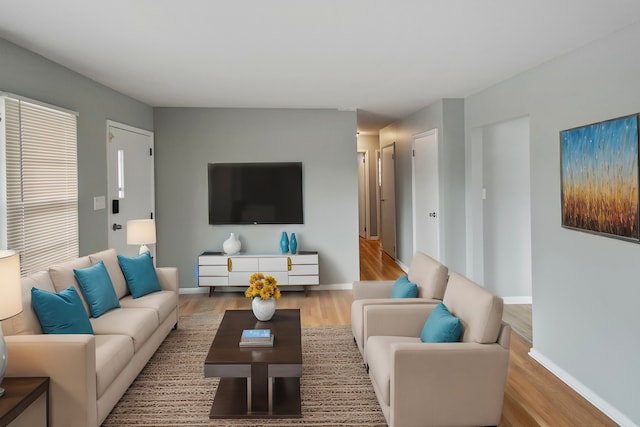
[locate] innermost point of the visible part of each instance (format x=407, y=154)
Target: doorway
x=506, y=208
x=130, y=182
x=388, y=200
x=364, y=213
x=426, y=194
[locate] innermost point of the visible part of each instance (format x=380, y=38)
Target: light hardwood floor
x=533, y=396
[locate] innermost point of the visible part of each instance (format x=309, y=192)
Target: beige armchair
x=440, y=384
x=426, y=272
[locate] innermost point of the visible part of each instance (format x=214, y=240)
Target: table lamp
x=141, y=232
x=10, y=299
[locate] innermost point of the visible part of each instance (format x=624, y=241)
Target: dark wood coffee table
x=256, y=382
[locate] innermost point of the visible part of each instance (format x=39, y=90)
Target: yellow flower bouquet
x=263, y=287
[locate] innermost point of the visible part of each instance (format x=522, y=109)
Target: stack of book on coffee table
x=256, y=338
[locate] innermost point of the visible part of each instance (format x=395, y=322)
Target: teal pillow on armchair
x=441, y=326
x=403, y=288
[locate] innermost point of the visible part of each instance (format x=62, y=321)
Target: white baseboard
x=583, y=390
x=198, y=290
x=205, y=290
x=402, y=266
x=336, y=287
x=517, y=300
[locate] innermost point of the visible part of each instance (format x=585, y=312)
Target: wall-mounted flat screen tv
x=255, y=193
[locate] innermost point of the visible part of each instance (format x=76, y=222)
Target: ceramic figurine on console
x=293, y=244
x=231, y=245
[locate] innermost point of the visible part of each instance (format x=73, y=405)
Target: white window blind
x=41, y=184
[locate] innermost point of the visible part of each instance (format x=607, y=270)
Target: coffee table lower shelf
x=230, y=400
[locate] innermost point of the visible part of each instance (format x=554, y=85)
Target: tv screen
x=255, y=193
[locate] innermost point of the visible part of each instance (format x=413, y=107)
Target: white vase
x=231, y=245
x=263, y=309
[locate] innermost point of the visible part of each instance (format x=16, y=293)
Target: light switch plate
x=98, y=203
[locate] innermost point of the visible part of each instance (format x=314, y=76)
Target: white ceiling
x=385, y=59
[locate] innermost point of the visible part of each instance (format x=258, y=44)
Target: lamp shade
x=141, y=231
x=10, y=291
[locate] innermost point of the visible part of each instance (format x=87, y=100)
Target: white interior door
x=363, y=194
x=388, y=200
x=426, y=194
x=131, y=182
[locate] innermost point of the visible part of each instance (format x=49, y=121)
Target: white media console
x=219, y=269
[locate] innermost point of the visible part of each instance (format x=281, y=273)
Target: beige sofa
x=428, y=274
x=90, y=373
x=440, y=384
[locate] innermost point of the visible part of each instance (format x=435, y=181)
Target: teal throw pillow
x=140, y=274
x=403, y=288
x=441, y=326
x=97, y=288
x=60, y=313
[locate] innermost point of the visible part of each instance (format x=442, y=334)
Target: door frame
x=144, y=132
x=377, y=184
x=367, y=198
x=439, y=211
x=393, y=218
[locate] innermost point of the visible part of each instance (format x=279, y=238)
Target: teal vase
x=284, y=243
x=293, y=243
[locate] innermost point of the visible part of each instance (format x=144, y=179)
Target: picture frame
x=599, y=178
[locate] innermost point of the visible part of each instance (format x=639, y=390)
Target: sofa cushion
x=430, y=276
x=60, y=313
x=97, y=288
x=110, y=259
x=140, y=274
x=62, y=276
x=27, y=323
x=441, y=326
x=163, y=302
x=403, y=288
x=138, y=323
x=380, y=364
x=113, y=354
x=479, y=311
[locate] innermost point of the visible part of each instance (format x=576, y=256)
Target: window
x=39, y=173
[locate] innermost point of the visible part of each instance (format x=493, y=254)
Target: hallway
x=375, y=264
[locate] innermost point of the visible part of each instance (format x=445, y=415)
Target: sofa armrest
x=168, y=278
x=70, y=363
x=371, y=289
x=465, y=383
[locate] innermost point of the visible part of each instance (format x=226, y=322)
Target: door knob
x=116, y=227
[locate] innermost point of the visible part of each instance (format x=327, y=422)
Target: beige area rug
x=172, y=391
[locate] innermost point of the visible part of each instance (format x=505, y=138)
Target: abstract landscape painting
x=599, y=174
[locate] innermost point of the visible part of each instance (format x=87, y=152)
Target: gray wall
x=447, y=116
x=24, y=73
x=505, y=258
x=585, y=287
x=186, y=139
x=371, y=143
